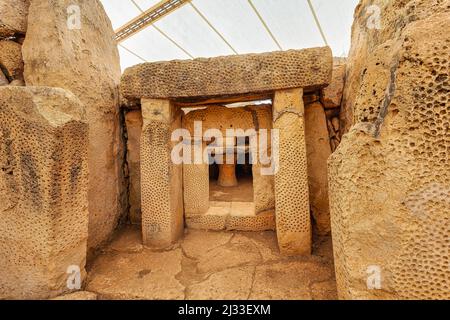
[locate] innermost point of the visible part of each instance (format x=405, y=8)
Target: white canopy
x=208, y=28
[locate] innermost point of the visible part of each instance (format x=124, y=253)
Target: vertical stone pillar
x=161, y=179
x=196, y=180
x=291, y=178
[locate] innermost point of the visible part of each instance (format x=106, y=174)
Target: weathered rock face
x=86, y=62
x=13, y=17
x=318, y=150
x=11, y=59
x=332, y=95
x=43, y=191
x=133, y=120
x=390, y=177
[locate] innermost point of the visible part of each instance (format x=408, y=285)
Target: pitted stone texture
x=230, y=75
x=13, y=17
x=389, y=178
x=223, y=118
x=161, y=178
x=196, y=188
x=43, y=191
x=133, y=120
x=291, y=180
x=395, y=15
x=318, y=150
x=86, y=62
x=11, y=59
x=331, y=96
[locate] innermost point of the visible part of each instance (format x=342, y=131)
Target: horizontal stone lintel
x=228, y=76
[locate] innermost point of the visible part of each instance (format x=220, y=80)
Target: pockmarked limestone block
x=13, y=17
x=84, y=59
x=161, y=178
x=43, y=191
x=332, y=95
x=318, y=150
x=390, y=177
x=229, y=75
x=133, y=120
x=11, y=59
x=196, y=180
x=291, y=179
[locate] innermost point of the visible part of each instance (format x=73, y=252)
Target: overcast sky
x=290, y=21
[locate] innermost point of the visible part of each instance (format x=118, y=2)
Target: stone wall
x=390, y=177
x=84, y=60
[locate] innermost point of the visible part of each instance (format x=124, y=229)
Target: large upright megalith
x=390, y=177
x=70, y=44
x=43, y=192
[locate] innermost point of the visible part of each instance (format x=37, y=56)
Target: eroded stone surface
x=212, y=265
x=309, y=69
x=144, y=275
x=332, y=95
x=389, y=178
x=11, y=59
x=13, y=17
x=229, y=284
x=43, y=191
x=318, y=150
x=86, y=62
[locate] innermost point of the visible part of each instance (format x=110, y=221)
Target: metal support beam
x=316, y=18
x=212, y=27
x=147, y=18
x=265, y=24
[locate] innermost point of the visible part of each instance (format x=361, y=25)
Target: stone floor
x=210, y=265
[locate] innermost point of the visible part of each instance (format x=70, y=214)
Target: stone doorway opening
x=175, y=194
x=240, y=191
x=228, y=192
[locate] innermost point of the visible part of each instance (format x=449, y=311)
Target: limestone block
x=263, y=190
x=291, y=179
x=133, y=120
x=13, y=17
x=318, y=150
x=11, y=59
x=196, y=183
x=390, y=177
x=43, y=191
x=229, y=75
x=86, y=62
x=332, y=95
x=366, y=40
x=161, y=178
